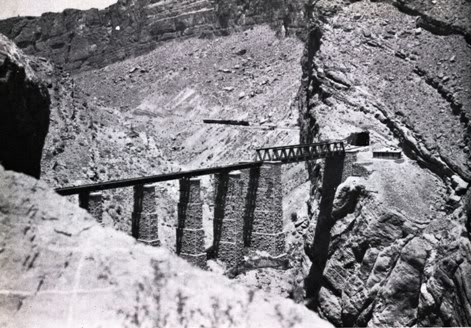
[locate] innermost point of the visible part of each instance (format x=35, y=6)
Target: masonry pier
x=248, y=214
x=348, y=164
x=145, y=221
x=93, y=203
x=229, y=219
x=190, y=232
x=250, y=179
x=267, y=225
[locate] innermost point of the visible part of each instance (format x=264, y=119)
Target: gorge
x=130, y=86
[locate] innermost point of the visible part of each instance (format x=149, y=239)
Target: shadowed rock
x=389, y=258
x=24, y=112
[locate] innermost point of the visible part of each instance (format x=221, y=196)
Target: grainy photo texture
x=235, y=163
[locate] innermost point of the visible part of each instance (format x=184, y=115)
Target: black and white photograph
x=235, y=163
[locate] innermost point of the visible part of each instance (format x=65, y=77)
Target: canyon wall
x=395, y=245
x=80, y=40
x=24, y=112
x=395, y=255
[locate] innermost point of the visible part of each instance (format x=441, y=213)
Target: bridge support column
x=349, y=159
x=93, y=203
x=145, y=221
x=190, y=232
x=229, y=219
x=332, y=178
x=267, y=225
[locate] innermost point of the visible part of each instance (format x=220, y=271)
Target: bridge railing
x=298, y=153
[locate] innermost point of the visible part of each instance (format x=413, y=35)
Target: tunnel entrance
x=359, y=138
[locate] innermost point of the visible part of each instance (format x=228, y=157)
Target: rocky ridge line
x=81, y=40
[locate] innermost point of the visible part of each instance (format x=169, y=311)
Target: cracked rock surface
x=60, y=268
x=390, y=248
x=400, y=70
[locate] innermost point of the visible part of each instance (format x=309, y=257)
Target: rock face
x=24, y=112
x=401, y=254
x=88, y=39
x=395, y=242
x=59, y=267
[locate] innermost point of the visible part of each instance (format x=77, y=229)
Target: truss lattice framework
x=299, y=153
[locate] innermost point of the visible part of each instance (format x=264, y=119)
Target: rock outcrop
x=80, y=40
x=24, y=111
x=401, y=254
x=395, y=242
x=60, y=268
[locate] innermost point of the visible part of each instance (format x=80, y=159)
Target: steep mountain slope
x=169, y=92
x=144, y=116
x=83, y=132
x=94, y=38
x=392, y=247
x=61, y=268
x=180, y=84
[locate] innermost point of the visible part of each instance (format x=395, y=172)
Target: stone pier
x=145, y=221
x=250, y=186
x=190, y=232
x=264, y=214
x=348, y=164
x=229, y=219
x=93, y=203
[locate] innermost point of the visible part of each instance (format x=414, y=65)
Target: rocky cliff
x=388, y=247
x=24, y=111
x=391, y=247
x=80, y=40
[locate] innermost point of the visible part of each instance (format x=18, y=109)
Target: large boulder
x=60, y=268
x=24, y=112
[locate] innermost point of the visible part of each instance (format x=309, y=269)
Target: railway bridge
x=248, y=211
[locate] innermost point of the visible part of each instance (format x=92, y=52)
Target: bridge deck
x=284, y=154
x=114, y=184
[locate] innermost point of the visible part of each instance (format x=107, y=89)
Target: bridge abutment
x=348, y=164
x=145, y=221
x=190, y=232
x=229, y=219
